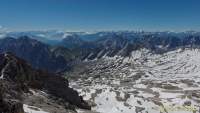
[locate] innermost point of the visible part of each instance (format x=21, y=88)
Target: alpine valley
x=99, y=72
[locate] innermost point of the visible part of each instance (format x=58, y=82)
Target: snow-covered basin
x=171, y=68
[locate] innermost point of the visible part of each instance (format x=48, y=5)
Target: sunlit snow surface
x=169, y=83
x=32, y=109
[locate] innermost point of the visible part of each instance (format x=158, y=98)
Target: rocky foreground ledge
x=20, y=84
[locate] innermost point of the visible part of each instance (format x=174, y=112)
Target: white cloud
x=3, y=29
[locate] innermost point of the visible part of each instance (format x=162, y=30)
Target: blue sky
x=95, y=15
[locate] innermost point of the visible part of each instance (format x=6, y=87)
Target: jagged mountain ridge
x=77, y=46
x=123, y=44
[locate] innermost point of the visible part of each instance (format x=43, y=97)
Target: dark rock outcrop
x=10, y=97
x=17, y=77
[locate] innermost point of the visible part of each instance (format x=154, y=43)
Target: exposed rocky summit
x=18, y=79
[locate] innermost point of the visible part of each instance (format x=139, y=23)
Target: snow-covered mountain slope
x=142, y=83
x=171, y=65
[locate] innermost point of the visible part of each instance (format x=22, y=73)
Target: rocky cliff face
x=18, y=78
